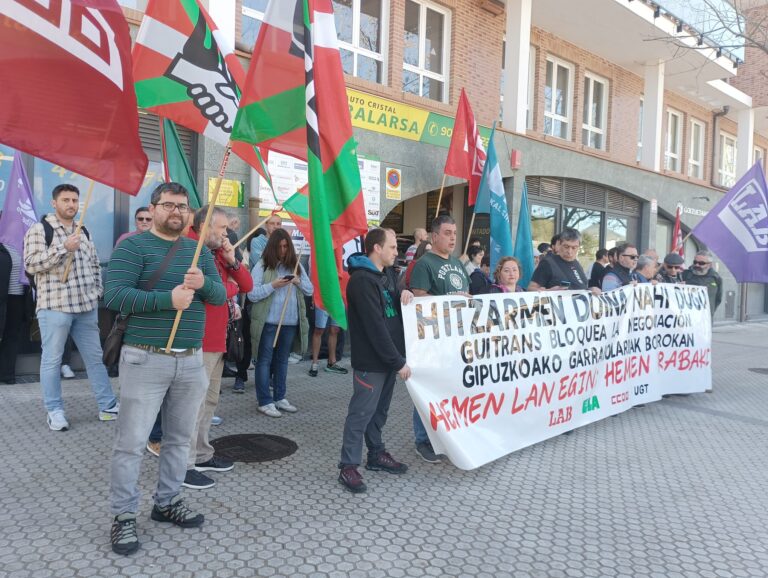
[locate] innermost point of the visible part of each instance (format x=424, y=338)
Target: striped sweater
x=152, y=313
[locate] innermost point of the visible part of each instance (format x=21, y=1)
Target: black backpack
x=48, y=231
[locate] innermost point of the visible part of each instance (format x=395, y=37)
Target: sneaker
x=153, y=448
x=294, y=358
x=386, y=463
x=239, y=386
x=228, y=371
x=336, y=368
x=177, y=513
x=57, y=421
x=351, y=479
x=195, y=481
x=285, y=405
x=426, y=451
x=111, y=413
x=216, y=420
x=215, y=465
x=123, y=534
x=66, y=372
x=313, y=370
x=270, y=410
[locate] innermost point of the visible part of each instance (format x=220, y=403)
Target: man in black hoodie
x=378, y=356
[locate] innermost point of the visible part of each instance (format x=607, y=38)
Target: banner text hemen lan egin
x=496, y=373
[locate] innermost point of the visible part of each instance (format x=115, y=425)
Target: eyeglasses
x=633, y=257
x=145, y=219
x=701, y=263
x=182, y=207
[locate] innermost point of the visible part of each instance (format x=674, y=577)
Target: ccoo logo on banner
x=497, y=373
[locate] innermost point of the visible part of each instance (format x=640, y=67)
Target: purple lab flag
x=18, y=212
x=736, y=230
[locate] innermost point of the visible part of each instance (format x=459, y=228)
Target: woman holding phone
x=278, y=278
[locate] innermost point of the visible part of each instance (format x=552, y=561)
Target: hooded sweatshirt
x=375, y=321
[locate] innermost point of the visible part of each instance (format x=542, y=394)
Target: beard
x=171, y=226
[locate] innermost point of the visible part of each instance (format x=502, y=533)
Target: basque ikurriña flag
x=67, y=90
x=295, y=102
x=186, y=71
x=736, y=229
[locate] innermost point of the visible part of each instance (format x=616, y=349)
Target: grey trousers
x=367, y=415
x=150, y=382
x=200, y=448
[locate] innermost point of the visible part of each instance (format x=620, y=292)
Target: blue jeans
x=419, y=431
x=265, y=359
x=55, y=327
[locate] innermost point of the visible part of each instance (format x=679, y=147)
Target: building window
x=595, y=111
x=558, y=94
x=727, y=167
x=640, y=133
x=253, y=16
x=426, y=48
x=758, y=155
x=361, y=30
x=672, y=151
x=696, y=151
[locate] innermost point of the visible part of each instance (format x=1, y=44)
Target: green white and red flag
x=185, y=70
x=294, y=102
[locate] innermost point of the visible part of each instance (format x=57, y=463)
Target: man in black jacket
x=378, y=356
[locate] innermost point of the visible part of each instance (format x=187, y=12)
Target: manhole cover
x=253, y=447
x=761, y=370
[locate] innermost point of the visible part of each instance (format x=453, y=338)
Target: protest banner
x=493, y=374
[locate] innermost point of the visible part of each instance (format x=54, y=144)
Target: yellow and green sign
x=231, y=193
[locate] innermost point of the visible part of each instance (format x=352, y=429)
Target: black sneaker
x=384, y=462
x=215, y=465
x=239, y=386
x=123, y=535
x=313, y=370
x=427, y=453
x=351, y=479
x=177, y=513
x=197, y=481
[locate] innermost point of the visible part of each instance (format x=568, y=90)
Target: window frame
x=696, y=165
x=248, y=12
x=593, y=78
x=553, y=116
x=726, y=179
x=668, y=154
x=419, y=70
x=640, y=119
x=758, y=152
x=357, y=50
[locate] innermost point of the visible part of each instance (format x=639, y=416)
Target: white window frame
x=355, y=47
x=531, y=80
x=568, y=119
x=593, y=79
x=726, y=174
x=640, y=130
x=696, y=150
x=671, y=156
x=420, y=70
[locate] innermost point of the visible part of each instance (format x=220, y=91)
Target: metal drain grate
x=760, y=370
x=253, y=447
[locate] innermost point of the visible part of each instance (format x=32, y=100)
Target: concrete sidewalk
x=675, y=489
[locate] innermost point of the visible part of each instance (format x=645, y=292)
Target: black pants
x=9, y=346
x=367, y=415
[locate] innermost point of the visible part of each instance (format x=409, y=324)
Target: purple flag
x=737, y=228
x=18, y=212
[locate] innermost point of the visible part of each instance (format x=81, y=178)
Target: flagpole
x=258, y=225
x=164, y=151
x=203, y=232
x=469, y=232
x=79, y=227
x=440, y=197
x=287, y=297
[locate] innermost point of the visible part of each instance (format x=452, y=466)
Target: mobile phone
x=565, y=284
x=288, y=277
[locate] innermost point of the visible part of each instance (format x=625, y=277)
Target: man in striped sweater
x=150, y=378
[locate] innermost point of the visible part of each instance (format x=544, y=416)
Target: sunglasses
x=144, y=219
x=701, y=263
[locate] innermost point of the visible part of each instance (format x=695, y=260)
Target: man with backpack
x=67, y=307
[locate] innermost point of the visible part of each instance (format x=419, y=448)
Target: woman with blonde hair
x=508, y=272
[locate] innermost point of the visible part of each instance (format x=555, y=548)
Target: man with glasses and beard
x=701, y=273
x=152, y=379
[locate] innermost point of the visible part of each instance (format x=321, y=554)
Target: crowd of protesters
x=168, y=398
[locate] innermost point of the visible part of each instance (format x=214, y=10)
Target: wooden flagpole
x=440, y=197
x=79, y=227
x=287, y=297
x=203, y=234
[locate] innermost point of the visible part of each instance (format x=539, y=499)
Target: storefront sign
x=394, y=184
x=231, y=193
x=496, y=373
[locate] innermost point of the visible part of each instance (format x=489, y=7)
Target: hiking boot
x=384, y=462
x=194, y=480
x=57, y=421
x=239, y=386
x=286, y=405
x=215, y=464
x=111, y=413
x=177, y=513
x=153, y=448
x=427, y=453
x=313, y=370
x=270, y=410
x=336, y=368
x=66, y=372
x=351, y=479
x=123, y=534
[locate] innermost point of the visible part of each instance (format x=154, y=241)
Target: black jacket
x=375, y=320
x=712, y=281
x=5, y=278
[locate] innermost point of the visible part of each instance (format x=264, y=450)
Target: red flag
x=466, y=156
x=67, y=94
x=677, y=237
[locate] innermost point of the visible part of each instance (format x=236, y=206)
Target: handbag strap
x=160, y=271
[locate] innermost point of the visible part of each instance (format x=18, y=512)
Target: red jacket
x=217, y=316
